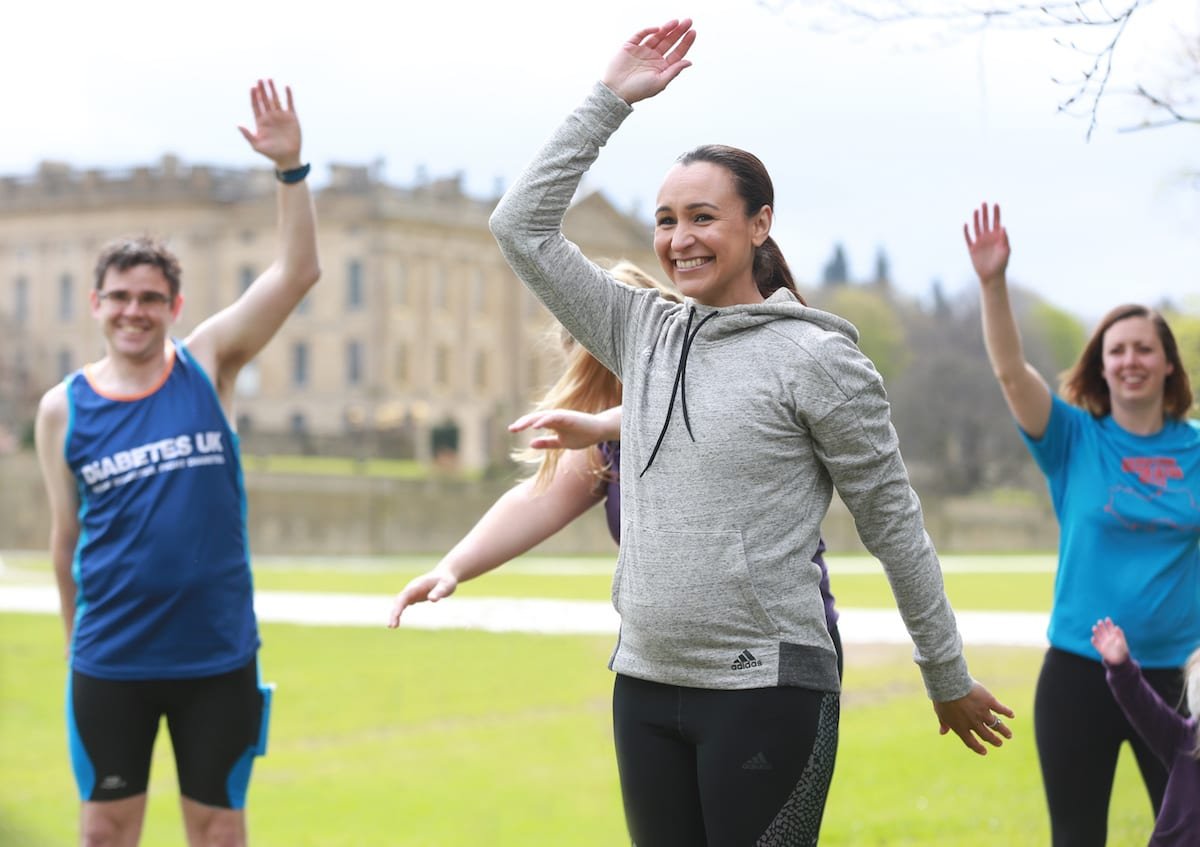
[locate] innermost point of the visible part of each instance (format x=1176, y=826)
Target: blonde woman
x=584, y=407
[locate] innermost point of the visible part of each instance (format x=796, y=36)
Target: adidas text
x=744, y=661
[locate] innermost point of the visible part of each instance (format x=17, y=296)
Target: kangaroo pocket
x=683, y=590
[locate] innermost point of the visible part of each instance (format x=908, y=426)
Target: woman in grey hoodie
x=725, y=704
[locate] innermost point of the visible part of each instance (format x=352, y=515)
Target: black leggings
x=1079, y=729
x=712, y=768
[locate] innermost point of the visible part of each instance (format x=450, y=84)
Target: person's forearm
x=1026, y=393
x=1001, y=337
x=62, y=555
x=610, y=423
x=517, y=522
x=298, y=258
x=527, y=224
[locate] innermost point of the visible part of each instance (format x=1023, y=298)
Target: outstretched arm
x=520, y=520
x=527, y=222
x=570, y=430
x=1163, y=729
x=232, y=337
x=1025, y=391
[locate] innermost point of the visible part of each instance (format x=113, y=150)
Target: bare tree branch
x=1106, y=19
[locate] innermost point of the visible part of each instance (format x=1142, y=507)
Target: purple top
x=611, y=451
x=1172, y=737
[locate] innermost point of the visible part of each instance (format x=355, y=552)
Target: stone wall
x=360, y=515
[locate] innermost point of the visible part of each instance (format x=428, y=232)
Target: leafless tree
x=1092, y=29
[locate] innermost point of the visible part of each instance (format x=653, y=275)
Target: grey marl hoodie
x=761, y=413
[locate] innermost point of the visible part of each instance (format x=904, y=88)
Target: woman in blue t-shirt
x=1123, y=466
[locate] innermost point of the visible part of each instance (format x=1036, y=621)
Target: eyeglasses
x=145, y=299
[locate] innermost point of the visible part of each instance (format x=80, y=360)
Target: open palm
x=649, y=60
x=276, y=132
x=989, y=247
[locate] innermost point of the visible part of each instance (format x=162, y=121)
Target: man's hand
x=974, y=714
x=276, y=129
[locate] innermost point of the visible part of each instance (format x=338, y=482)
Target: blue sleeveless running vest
x=162, y=567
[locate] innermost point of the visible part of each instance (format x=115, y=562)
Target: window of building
x=354, y=362
x=299, y=423
x=439, y=295
x=66, y=361
x=479, y=292
x=249, y=380
x=401, y=286
x=21, y=299
x=441, y=366
x=66, y=298
x=246, y=277
x=300, y=364
x=401, y=364
x=355, y=296
x=305, y=304
x=481, y=371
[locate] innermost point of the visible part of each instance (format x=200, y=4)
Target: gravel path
x=567, y=617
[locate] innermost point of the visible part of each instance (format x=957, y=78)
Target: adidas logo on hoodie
x=745, y=660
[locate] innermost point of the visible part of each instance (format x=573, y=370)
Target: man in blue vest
x=148, y=532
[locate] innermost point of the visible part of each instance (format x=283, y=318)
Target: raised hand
x=978, y=713
x=276, y=128
x=570, y=430
x=1109, y=641
x=989, y=248
x=432, y=586
x=649, y=60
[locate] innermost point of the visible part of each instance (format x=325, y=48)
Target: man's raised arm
x=229, y=339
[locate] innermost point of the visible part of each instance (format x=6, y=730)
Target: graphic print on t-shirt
x=1164, y=506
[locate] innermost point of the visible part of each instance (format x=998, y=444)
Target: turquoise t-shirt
x=1128, y=509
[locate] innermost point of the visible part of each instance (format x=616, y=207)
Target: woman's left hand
x=569, y=430
x=646, y=62
x=977, y=714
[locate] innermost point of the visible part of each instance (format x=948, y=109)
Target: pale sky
x=883, y=138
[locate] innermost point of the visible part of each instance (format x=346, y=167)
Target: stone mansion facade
x=418, y=342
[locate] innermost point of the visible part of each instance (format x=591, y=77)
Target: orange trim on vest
x=129, y=398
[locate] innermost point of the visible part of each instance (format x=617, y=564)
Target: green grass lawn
x=468, y=738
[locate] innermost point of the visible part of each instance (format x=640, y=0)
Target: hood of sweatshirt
x=712, y=325
x=781, y=305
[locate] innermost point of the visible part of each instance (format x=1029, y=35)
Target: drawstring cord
x=680, y=382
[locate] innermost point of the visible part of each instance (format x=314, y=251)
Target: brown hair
x=753, y=185
x=127, y=253
x=585, y=384
x=1084, y=386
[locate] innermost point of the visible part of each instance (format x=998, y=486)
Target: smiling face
x=703, y=237
x=1134, y=365
x=135, y=310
